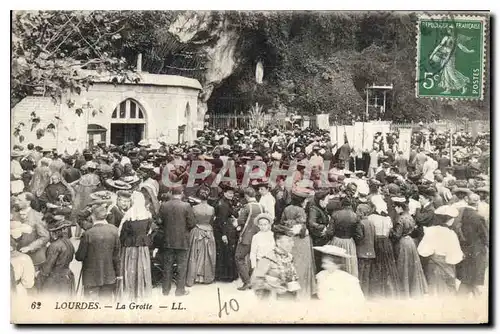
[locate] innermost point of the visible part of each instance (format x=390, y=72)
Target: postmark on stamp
x=451, y=56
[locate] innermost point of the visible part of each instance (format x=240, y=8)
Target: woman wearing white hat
x=440, y=244
x=334, y=284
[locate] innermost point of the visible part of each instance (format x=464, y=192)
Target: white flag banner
x=349, y=131
x=323, y=121
x=334, y=135
x=363, y=136
x=405, y=142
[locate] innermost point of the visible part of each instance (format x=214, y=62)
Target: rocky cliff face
x=218, y=42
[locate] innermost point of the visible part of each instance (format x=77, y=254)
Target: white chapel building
x=157, y=108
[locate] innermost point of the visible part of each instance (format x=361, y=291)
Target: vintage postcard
x=260, y=167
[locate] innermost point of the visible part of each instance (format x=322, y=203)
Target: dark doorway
x=124, y=133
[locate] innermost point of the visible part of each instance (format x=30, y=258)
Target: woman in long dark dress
x=319, y=224
x=293, y=222
x=57, y=277
x=135, y=256
x=226, y=237
x=346, y=229
x=384, y=281
x=201, y=256
x=411, y=275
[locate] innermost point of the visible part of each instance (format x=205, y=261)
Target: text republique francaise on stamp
x=451, y=57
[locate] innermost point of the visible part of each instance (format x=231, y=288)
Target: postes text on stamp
x=451, y=57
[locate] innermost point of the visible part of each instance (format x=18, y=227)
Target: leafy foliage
x=322, y=62
x=49, y=47
x=314, y=62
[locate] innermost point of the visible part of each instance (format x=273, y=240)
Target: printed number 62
x=36, y=305
x=429, y=80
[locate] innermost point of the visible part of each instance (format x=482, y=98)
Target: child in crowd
x=262, y=242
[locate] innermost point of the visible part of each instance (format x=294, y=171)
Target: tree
x=49, y=47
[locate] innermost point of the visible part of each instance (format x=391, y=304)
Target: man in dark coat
x=471, y=270
x=402, y=163
x=99, y=252
x=345, y=154
x=177, y=219
x=248, y=229
x=443, y=162
x=381, y=175
x=282, y=196
x=226, y=236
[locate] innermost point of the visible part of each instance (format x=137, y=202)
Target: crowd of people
x=385, y=226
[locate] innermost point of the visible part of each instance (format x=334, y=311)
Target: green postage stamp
x=451, y=56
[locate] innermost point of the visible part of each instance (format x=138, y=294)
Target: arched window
x=128, y=111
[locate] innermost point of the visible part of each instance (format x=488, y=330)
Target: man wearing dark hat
x=99, y=252
x=402, y=163
x=383, y=172
x=471, y=271
x=345, y=154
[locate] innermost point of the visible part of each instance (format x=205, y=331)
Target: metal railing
x=238, y=121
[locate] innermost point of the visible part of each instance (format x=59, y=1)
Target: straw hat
x=461, y=190
x=177, y=151
x=332, y=250
x=264, y=215
x=118, y=184
x=90, y=164
x=398, y=199
x=447, y=210
x=103, y=197
x=59, y=223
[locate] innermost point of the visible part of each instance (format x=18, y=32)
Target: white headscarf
x=137, y=211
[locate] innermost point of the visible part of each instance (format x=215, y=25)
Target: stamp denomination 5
x=451, y=57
